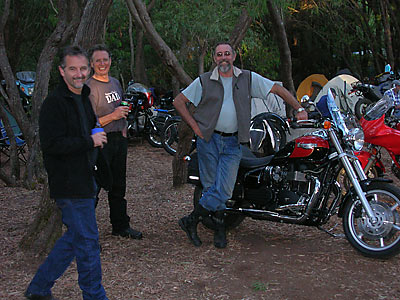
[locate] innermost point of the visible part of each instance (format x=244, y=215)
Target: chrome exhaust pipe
x=274, y=216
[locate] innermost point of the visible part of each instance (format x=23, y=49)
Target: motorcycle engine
x=277, y=188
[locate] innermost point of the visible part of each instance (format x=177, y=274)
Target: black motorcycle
x=370, y=93
x=143, y=118
x=303, y=184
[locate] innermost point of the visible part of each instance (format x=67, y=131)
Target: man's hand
x=302, y=115
x=99, y=139
x=121, y=112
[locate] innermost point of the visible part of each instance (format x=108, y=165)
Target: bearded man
x=221, y=123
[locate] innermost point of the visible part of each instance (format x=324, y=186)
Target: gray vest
x=207, y=112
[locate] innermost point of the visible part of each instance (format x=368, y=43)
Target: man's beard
x=224, y=68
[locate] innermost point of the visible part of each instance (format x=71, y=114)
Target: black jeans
x=115, y=152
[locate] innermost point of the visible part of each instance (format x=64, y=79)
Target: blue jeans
x=219, y=161
x=80, y=241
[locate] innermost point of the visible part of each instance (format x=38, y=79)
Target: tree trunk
x=284, y=51
x=387, y=32
x=140, y=70
x=139, y=12
x=131, y=47
x=241, y=27
x=46, y=227
x=140, y=74
x=91, y=27
x=179, y=166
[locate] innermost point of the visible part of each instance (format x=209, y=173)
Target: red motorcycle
x=299, y=185
x=381, y=130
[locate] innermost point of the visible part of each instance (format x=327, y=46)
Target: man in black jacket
x=69, y=153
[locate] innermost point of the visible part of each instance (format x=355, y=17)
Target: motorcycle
x=371, y=93
x=299, y=185
x=25, y=81
x=381, y=130
x=143, y=118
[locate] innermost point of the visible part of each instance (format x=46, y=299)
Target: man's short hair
x=73, y=50
x=99, y=47
x=223, y=43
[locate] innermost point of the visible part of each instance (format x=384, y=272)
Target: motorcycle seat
x=250, y=161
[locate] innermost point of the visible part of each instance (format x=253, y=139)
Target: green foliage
x=323, y=35
x=189, y=24
x=117, y=39
x=260, y=287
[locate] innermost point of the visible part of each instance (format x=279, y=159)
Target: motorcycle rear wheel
x=154, y=135
x=169, y=136
x=231, y=220
x=380, y=240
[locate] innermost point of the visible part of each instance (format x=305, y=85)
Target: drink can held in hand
x=124, y=103
x=97, y=129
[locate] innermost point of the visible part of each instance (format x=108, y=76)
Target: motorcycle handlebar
x=310, y=123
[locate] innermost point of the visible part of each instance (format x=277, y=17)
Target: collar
x=215, y=73
x=67, y=93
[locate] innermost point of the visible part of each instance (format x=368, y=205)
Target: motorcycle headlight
x=354, y=135
x=355, y=138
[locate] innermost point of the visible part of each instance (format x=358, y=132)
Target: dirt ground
x=263, y=260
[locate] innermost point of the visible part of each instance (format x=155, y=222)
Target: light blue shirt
x=227, y=121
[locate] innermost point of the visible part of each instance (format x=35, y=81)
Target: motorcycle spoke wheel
x=154, y=139
x=382, y=239
x=169, y=137
x=154, y=136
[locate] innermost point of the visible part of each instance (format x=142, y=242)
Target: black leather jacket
x=66, y=149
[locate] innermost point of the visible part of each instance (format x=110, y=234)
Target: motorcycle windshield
x=26, y=76
x=335, y=113
x=380, y=108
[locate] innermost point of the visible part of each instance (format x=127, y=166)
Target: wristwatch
x=300, y=109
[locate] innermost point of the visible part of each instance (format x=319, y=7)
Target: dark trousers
x=115, y=152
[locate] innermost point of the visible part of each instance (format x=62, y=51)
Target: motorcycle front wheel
x=231, y=220
x=382, y=239
x=361, y=107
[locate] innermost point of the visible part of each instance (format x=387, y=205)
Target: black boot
x=189, y=224
x=220, y=230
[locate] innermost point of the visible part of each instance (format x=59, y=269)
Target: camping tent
x=346, y=100
x=307, y=86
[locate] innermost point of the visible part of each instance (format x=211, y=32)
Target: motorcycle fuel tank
x=310, y=147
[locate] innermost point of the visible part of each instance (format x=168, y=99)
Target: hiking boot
x=38, y=297
x=189, y=224
x=128, y=233
x=220, y=230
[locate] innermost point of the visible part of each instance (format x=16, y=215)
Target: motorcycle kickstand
x=328, y=231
